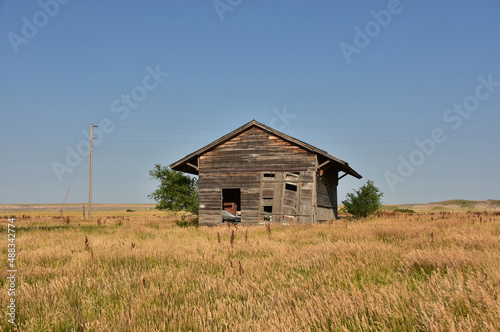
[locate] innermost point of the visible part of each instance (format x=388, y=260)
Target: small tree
x=176, y=191
x=364, y=201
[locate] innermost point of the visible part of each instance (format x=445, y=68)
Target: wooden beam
x=342, y=176
x=326, y=165
x=193, y=166
x=323, y=164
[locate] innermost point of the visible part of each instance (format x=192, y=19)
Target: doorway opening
x=231, y=201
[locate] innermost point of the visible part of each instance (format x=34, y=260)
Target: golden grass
x=395, y=272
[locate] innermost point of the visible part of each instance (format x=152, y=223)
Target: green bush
x=176, y=191
x=364, y=201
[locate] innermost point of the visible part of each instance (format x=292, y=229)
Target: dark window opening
x=291, y=187
x=231, y=200
x=269, y=175
x=268, y=209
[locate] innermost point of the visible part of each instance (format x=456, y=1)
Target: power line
x=388, y=124
x=347, y=142
x=404, y=141
x=311, y=127
x=179, y=128
x=139, y=141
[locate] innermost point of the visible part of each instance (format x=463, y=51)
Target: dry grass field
x=148, y=271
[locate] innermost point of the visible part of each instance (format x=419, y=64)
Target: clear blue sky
x=362, y=80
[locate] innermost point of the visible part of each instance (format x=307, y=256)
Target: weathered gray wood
x=326, y=213
x=270, y=169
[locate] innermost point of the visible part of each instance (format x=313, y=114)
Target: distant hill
x=450, y=205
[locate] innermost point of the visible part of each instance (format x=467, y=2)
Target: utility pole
x=90, y=170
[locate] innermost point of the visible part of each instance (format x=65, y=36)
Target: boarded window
x=291, y=187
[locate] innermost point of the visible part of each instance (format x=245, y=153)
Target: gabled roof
x=189, y=163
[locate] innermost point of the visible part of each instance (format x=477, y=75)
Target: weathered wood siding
x=291, y=195
x=326, y=187
x=241, y=163
x=326, y=213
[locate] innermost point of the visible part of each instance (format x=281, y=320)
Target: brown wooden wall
x=291, y=195
x=326, y=187
x=241, y=163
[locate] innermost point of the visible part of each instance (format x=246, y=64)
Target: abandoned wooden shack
x=263, y=175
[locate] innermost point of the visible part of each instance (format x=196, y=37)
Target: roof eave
x=182, y=166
